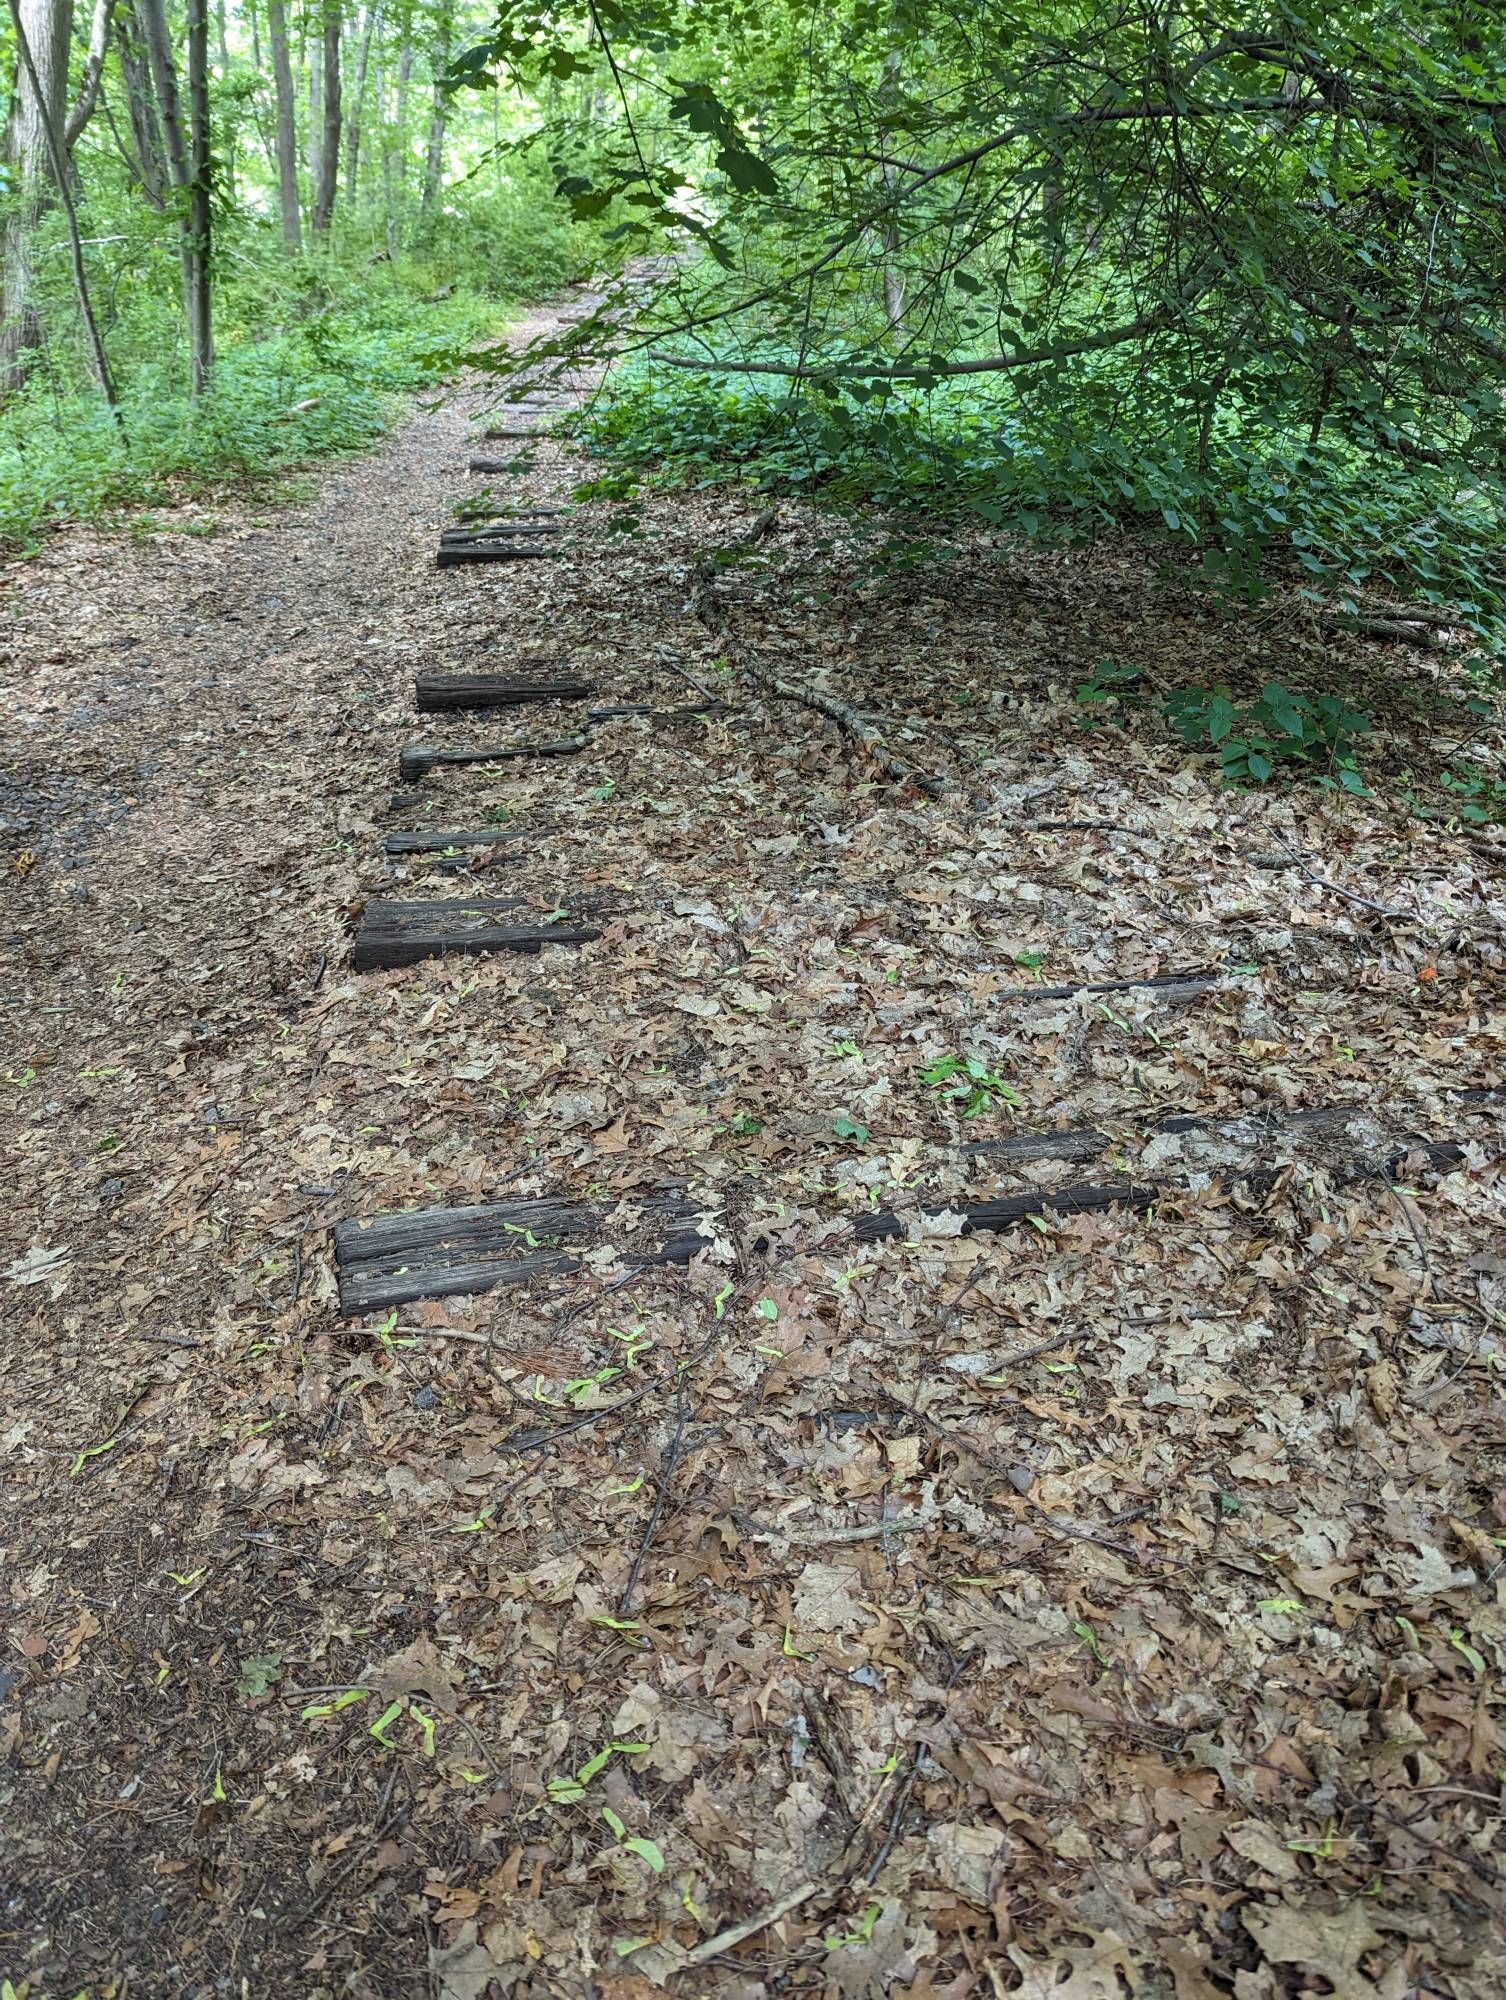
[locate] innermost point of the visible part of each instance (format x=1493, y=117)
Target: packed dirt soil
x=1105, y=1604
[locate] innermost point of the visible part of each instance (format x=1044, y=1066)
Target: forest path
x=997, y=1605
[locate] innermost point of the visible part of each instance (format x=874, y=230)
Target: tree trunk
x=358, y=109
x=150, y=163
x=198, y=225
x=434, y=155
x=894, y=280
x=159, y=52
x=46, y=101
x=397, y=153
x=314, y=136
x=287, y=126
x=94, y=69
x=329, y=150
x=46, y=25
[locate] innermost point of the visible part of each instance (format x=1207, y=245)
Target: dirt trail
x=1107, y=1604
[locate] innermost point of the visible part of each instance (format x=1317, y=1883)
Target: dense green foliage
x=316, y=350
x=1230, y=273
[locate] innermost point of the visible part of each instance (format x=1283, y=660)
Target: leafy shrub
x=1245, y=500
x=1110, y=681
x=1280, y=730
x=1481, y=798
x=329, y=387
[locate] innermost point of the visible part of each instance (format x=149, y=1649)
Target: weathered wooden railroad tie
x=446, y=839
x=417, y=758
x=438, y=1252
x=394, y=934
x=435, y=1253
x=441, y=693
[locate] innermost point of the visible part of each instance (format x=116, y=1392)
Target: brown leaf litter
x=1107, y=1606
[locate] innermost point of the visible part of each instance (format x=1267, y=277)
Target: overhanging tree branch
x=993, y=364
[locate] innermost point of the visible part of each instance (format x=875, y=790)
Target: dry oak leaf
x=1092, y=1972
x=1329, y=1942
x=825, y=1598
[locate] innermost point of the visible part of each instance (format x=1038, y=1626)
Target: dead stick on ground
x=855, y=728
x=1349, y=895
x=666, y=1476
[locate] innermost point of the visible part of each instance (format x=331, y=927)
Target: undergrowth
x=1245, y=500
x=333, y=385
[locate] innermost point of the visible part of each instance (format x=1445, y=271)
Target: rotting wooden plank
x=478, y=509
x=1004, y=1211
x=446, y=556
x=1248, y=1131
x=394, y=934
x=442, y=841
x=443, y=1252
x=436, y=693
x=418, y=758
x=496, y=531
x=1197, y=980
x=494, y=465
x=515, y=437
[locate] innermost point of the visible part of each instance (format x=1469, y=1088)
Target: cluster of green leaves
x=1476, y=797
x=971, y=1084
x=1278, y=731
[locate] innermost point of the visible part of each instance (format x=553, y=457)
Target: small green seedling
x=971, y=1084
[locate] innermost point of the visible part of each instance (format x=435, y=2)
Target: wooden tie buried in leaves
x=439, y=1252
x=436, y=1253
x=394, y=934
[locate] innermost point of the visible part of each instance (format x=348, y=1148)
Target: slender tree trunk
x=197, y=242
x=146, y=133
x=44, y=26
x=329, y=150
x=397, y=199
x=159, y=53
x=894, y=279
x=94, y=69
x=46, y=99
x=438, y=115
x=314, y=137
x=287, y=126
x=358, y=109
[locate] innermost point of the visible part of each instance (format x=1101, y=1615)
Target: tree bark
x=358, y=109
x=47, y=102
x=150, y=162
x=438, y=115
x=159, y=53
x=45, y=26
x=94, y=68
x=329, y=150
x=287, y=126
x=396, y=142
x=894, y=280
x=199, y=225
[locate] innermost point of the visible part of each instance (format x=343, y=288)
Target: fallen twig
x=666, y=1475
x=1349, y=895
x=853, y=726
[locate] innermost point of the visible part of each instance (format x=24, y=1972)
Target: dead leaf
x=1329, y=1942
